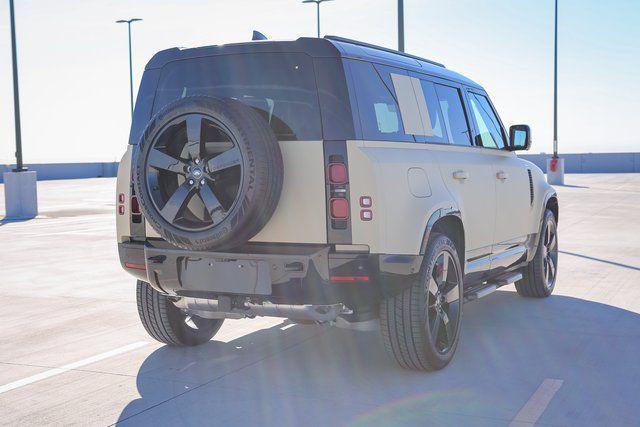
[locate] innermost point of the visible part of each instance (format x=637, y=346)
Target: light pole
x=555, y=165
x=20, y=195
x=16, y=94
x=401, y=25
x=128, y=22
x=555, y=83
x=317, y=2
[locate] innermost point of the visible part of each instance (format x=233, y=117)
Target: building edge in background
x=47, y=171
x=588, y=162
x=573, y=163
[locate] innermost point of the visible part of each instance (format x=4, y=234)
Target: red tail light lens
x=121, y=209
x=121, y=198
x=339, y=208
x=337, y=173
x=135, y=207
x=349, y=278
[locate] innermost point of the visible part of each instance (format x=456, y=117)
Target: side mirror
x=519, y=137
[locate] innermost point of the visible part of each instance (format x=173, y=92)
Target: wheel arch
x=447, y=222
x=551, y=203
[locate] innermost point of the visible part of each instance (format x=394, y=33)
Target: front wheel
x=539, y=276
x=167, y=323
x=421, y=325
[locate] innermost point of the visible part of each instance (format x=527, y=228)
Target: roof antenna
x=257, y=35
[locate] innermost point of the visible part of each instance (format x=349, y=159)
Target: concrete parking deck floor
x=72, y=350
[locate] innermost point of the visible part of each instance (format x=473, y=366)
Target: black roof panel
x=330, y=46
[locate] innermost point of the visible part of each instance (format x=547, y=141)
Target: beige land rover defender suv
x=331, y=181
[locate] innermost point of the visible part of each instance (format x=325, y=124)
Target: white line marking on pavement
x=537, y=403
x=57, y=371
x=285, y=327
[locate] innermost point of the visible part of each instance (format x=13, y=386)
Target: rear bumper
x=289, y=274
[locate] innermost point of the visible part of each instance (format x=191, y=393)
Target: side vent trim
x=531, y=195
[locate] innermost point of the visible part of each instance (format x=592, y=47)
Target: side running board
x=489, y=288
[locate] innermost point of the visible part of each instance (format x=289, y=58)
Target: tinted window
x=281, y=87
x=337, y=117
x=434, y=121
x=489, y=129
x=456, y=125
x=377, y=106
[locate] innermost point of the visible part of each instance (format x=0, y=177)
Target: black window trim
x=465, y=110
x=505, y=140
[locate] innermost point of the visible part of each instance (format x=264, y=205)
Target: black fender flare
x=536, y=239
x=435, y=216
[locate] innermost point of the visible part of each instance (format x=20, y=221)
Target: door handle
x=502, y=175
x=461, y=175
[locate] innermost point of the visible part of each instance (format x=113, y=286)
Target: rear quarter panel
x=380, y=169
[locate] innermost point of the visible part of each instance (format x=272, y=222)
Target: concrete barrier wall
x=591, y=162
x=48, y=171
x=573, y=163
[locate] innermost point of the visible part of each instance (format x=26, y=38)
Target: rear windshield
x=281, y=87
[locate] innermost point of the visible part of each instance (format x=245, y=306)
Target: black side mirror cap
x=519, y=138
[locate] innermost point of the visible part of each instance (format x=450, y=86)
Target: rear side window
x=434, y=131
x=489, y=129
x=377, y=105
x=281, y=87
x=455, y=120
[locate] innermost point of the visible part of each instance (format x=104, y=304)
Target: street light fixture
x=128, y=22
x=317, y=2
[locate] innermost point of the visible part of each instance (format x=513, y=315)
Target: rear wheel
x=539, y=276
x=167, y=323
x=421, y=325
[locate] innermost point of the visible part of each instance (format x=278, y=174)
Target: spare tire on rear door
x=208, y=173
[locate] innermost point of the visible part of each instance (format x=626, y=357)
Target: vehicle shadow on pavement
x=315, y=375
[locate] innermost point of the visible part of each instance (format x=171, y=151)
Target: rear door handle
x=502, y=175
x=461, y=175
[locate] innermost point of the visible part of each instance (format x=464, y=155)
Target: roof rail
x=373, y=46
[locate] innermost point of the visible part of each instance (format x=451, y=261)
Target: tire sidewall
x=539, y=257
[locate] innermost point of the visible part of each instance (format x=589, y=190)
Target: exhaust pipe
x=212, y=309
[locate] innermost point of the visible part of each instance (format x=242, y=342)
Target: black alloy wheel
x=550, y=253
x=443, y=302
x=194, y=171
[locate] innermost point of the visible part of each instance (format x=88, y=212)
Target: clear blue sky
x=74, y=69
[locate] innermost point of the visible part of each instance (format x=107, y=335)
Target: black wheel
x=167, y=323
x=208, y=173
x=539, y=276
x=421, y=325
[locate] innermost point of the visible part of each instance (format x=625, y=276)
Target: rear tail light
x=136, y=215
x=135, y=207
x=339, y=208
x=121, y=198
x=337, y=173
x=120, y=209
x=349, y=278
x=135, y=266
x=366, y=215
